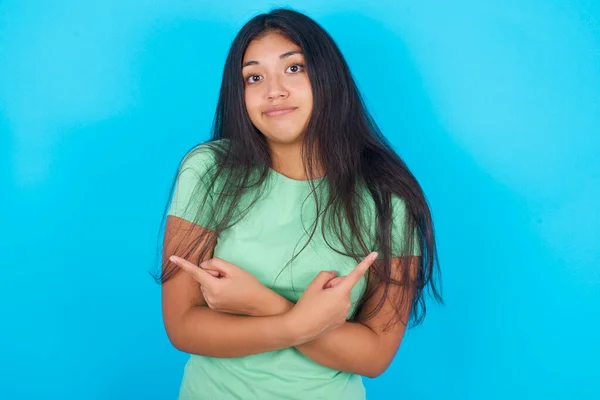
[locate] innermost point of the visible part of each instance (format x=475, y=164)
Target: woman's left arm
x=363, y=348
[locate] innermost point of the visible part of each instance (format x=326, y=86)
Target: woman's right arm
x=194, y=328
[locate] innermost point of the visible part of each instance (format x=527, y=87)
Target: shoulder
x=398, y=204
x=202, y=156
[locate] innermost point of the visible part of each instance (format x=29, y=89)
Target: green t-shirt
x=262, y=243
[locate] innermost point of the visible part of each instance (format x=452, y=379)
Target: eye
x=296, y=68
x=250, y=79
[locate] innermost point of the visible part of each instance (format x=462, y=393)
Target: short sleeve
x=191, y=188
x=397, y=229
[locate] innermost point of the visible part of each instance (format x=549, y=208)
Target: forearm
x=352, y=347
x=210, y=333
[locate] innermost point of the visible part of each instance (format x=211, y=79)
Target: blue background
x=494, y=105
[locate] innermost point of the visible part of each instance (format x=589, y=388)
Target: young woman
x=297, y=245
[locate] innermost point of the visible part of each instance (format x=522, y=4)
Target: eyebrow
x=281, y=57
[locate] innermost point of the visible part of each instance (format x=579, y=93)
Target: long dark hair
x=352, y=151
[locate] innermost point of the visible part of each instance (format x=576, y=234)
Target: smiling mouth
x=277, y=113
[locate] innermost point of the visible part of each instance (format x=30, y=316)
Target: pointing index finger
x=357, y=273
x=200, y=275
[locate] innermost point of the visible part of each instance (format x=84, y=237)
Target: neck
x=287, y=160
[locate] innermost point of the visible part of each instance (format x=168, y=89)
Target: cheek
x=306, y=94
x=307, y=104
x=252, y=106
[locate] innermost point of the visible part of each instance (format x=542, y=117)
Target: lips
x=279, y=111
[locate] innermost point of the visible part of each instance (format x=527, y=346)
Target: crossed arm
x=360, y=348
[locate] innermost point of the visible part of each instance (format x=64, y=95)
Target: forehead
x=271, y=45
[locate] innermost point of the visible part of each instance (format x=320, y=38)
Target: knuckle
x=212, y=302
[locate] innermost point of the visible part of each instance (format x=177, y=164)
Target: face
x=277, y=90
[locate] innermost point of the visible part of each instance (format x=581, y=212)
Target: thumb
x=217, y=264
x=321, y=279
x=213, y=272
x=333, y=282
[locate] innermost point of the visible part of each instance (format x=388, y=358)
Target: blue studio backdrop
x=494, y=105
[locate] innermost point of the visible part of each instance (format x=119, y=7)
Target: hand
x=333, y=282
x=321, y=309
x=227, y=287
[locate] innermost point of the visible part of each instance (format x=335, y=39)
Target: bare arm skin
x=194, y=328
x=360, y=348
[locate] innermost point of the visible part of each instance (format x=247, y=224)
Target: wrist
x=271, y=304
x=297, y=330
x=282, y=305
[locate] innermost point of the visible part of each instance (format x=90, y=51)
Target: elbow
x=176, y=333
x=184, y=345
x=376, y=370
x=180, y=347
x=182, y=339
x=175, y=340
x=374, y=374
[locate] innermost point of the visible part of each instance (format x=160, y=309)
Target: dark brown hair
x=350, y=146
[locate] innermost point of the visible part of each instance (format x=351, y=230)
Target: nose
x=276, y=89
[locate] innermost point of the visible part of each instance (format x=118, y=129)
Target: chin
x=283, y=138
